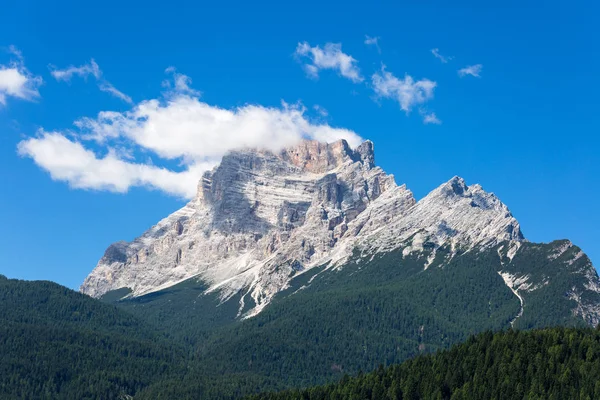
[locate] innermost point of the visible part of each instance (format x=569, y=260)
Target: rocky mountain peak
x=455, y=186
x=263, y=217
x=316, y=157
x=306, y=157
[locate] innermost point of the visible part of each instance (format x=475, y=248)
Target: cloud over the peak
x=68, y=160
x=17, y=81
x=90, y=69
x=473, y=70
x=178, y=127
x=330, y=56
x=406, y=91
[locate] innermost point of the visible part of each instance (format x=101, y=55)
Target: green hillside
x=548, y=364
x=184, y=343
x=384, y=311
x=57, y=343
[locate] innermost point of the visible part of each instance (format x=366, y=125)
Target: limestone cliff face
x=260, y=218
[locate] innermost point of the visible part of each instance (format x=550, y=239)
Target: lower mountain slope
x=380, y=309
x=57, y=343
x=557, y=363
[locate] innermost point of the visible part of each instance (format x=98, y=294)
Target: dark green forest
x=547, y=364
x=57, y=343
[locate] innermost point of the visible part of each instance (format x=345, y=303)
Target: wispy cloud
x=12, y=49
x=84, y=71
x=436, y=54
x=473, y=70
x=107, y=87
x=180, y=83
x=16, y=80
x=330, y=56
x=97, y=154
x=406, y=91
x=321, y=110
x=373, y=41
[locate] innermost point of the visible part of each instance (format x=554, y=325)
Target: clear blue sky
x=526, y=129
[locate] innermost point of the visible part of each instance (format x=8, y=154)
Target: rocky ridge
x=260, y=218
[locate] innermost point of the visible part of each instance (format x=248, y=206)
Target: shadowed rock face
x=260, y=218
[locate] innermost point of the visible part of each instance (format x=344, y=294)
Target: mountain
x=57, y=343
x=546, y=364
x=261, y=220
x=292, y=269
x=301, y=266
x=258, y=219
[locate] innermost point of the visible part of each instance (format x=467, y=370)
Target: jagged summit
x=308, y=157
x=490, y=218
x=262, y=217
x=317, y=157
x=453, y=214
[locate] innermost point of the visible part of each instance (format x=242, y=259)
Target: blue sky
x=526, y=127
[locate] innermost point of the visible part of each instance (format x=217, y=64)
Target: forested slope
x=553, y=364
x=57, y=343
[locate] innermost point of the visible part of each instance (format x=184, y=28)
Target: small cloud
x=407, y=92
x=473, y=70
x=430, y=118
x=180, y=84
x=17, y=81
x=85, y=70
x=107, y=87
x=373, y=41
x=329, y=57
x=436, y=54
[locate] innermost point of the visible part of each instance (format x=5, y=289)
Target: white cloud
x=329, y=57
x=473, y=70
x=373, y=41
x=443, y=59
x=430, y=118
x=407, y=92
x=70, y=161
x=109, y=88
x=179, y=127
x=82, y=71
x=85, y=70
x=17, y=81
